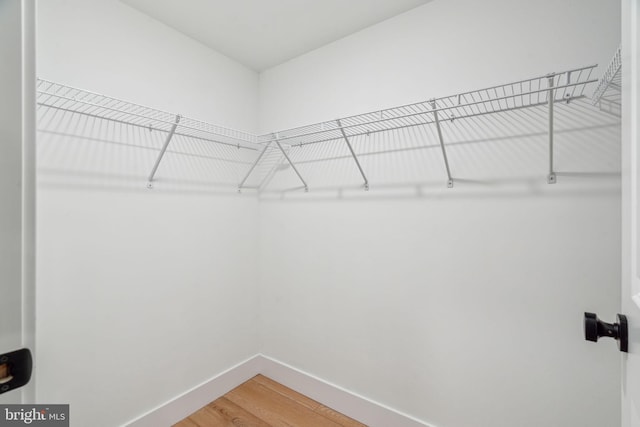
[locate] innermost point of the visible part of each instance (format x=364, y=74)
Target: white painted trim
x=367, y=411
x=634, y=107
x=358, y=407
x=29, y=188
x=189, y=402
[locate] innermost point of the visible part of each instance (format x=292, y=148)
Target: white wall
x=111, y=48
x=438, y=49
x=142, y=294
x=460, y=307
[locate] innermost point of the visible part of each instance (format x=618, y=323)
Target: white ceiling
x=263, y=33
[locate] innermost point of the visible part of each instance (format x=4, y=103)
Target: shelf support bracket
x=164, y=149
x=444, y=151
x=306, y=187
x=353, y=154
x=253, y=166
x=551, y=178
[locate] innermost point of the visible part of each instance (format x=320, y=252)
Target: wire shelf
x=135, y=138
x=608, y=93
x=65, y=98
x=266, y=155
x=565, y=86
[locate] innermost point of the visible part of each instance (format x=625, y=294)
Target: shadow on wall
x=502, y=154
x=77, y=151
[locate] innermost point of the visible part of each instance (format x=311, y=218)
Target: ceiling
x=263, y=33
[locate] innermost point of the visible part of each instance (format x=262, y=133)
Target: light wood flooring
x=262, y=402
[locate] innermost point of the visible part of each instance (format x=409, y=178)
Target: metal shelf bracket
x=286, y=156
x=551, y=178
x=161, y=155
x=253, y=166
x=353, y=154
x=444, y=151
x=564, y=86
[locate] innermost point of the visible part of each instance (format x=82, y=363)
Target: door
x=630, y=210
x=17, y=187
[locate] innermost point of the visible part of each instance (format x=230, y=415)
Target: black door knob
x=595, y=328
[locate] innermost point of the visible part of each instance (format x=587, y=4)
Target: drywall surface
x=111, y=48
x=142, y=294
x=140, y=297
x=463, y=306
x=458, y=311
x=439, y=49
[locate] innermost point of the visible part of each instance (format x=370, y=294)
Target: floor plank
x=208, y=417
x=325, y=411
x=274, y=408
x=186, y=423
x=235, y=415
x=337, y=417
x=262, y=402
x=286, y=392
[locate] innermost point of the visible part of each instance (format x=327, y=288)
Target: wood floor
x=262, y=402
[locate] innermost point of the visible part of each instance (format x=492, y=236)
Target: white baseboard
x=360, y=408
x=189, y=402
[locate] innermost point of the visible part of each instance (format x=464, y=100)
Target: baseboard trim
x=358, y=407
x=189, y=402
x=367, y=411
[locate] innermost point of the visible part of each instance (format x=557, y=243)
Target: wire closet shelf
x=67, y=99
x=543, y=90
x=608, y=95
x=74, y=100
x=564, y=86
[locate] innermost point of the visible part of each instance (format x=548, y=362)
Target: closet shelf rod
x=161, y=155
x=353, y=154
